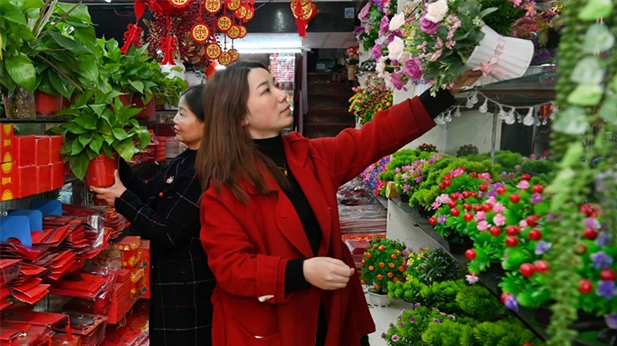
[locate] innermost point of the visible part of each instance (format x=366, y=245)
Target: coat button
x=160, y=194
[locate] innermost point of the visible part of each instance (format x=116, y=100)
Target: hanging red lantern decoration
x=213, y=50
x=234, y=5
x=211, y=70
x=243, y=31
x=241, y=12
x=233, y=32
x=223, y=23
x=200, y=32
x=213, y=6
x=180, y=3
x=168, y=45
x=225, y=58
x=234, y=54
x=303, y=11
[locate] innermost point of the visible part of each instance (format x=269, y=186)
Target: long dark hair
x=227, y=154
x=193, y=96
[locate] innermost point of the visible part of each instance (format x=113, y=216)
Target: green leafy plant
x=467, y=149
x=410, y=326
x=383, y=261
x=427, y=147
x=370, y=99
x=479, y=303
x=438, y=266
x=93, y=127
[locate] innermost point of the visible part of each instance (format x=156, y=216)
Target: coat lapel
x=289, y=224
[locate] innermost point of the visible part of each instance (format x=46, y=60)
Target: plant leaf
x=572, y=121
x=137, y=85
x=21, y=70
x=595, y=9
x=120, y=134
x=69, y=44
x=86, y=121
x=72, y=127
x=76, y=147
x=598, y=39
x=96, y=143
x=144, y=137
x=126, y=149
x=588, y=71
x=608, y=111
x=79, y=165
x=84, y=139
x=586, y=95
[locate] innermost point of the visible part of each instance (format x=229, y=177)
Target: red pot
x=101, y=171
x=127, y=99
x=148, y=111
x=47, y=104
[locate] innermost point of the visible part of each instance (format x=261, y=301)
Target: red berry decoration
x=501, y=190
x=580, y=249
x=470, y=254
x=477, y=207
x=608, y=275
x=455, y=195
x=466, y=194
x=447, y=182
x=590, y=233
x=511, y=241
x=487, y=207
x=467, y=206
x=535, y=234
x=473, y=174
x=532, y=220
x=452, y=204
x=527, y=269
x=585, y=286
x=495, y=230
x=513, y=230
x=468, y=216
x=483, y=187
x=586, y=209
x=537, y=189
x=504, y=297
x=432, y=221
x=442, y=186
x=526, y=176
x=527, y=344
x=541, y=266
x=514, y=198
x=474, y=194
x=455, y=212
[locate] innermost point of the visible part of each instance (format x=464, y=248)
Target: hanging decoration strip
x=513, y=114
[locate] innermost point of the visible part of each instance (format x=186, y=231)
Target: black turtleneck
x=294, y=276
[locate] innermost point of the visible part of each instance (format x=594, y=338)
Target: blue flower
x=511, y=303
x=603, y=239
x=611, y=320
x=542, y=247
x=601, y=260
x=606, y=289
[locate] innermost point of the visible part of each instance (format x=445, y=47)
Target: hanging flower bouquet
x=371, y=15
x=370, y=99
x=441, y=39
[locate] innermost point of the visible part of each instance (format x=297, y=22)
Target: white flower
x=397, y=21
x=404, y=57
x=395, y=48
x=381, y=66
x=387, y=78
x=436, y=11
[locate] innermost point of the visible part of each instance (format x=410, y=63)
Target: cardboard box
x=8, y=187
x=6, y=143
x=26, y=181
x=42, y=176
x=42, y=153
x=54, y=149
x=24, y=145
x=57, y=175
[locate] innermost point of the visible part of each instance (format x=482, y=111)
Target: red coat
x=248, y=246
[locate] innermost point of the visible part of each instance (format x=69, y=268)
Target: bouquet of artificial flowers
x=370, y=99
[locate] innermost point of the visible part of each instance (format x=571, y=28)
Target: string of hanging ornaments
x=199, y=29
x=509, y=114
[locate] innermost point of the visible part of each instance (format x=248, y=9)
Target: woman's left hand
x=109, y=194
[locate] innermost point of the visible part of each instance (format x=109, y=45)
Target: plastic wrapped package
x=355, y=192
x=100, y=304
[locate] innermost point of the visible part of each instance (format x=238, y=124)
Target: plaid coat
x=166, y=211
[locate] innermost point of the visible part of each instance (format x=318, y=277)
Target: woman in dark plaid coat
x=166, y=211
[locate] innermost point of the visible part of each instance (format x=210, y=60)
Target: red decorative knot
x=131, y=36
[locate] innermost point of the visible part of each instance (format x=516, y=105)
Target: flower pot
x=351, y=72
x=500, y=57
x=458, y=247
x=495, y=269
x=405, y=198
x=148, y=111
x=127, y=99
x=47, y=104
x=378, y=299
x=19, y=104
x=101, y=171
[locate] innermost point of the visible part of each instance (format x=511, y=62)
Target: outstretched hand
x=465, y=80
x=109, y=194
x=327, y=273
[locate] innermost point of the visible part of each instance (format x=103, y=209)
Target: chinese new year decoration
x=303, y=11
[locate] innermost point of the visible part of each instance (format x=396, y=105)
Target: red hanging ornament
x=131, y=36
x=180, y=3
x=168, y=45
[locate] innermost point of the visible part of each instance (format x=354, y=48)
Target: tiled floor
x=383, y=316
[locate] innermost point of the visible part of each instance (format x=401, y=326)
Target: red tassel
x=301, y=23
x=69, y=332
x=49, y=343
x=168, y=45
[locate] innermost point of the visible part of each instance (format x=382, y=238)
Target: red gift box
x=23, y=150
x=8, y=185
x=123, y=275
x=41, y=154
x=54, y=149
x=137, y=283
x=146, y=290
x=129, y=251
x=145, y=254
x=6, y=143
x=57, y=175
x=42, y=176
x=27, y=182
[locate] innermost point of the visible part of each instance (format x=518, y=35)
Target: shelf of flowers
x=495, y=219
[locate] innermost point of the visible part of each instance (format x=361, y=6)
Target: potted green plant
x=99, y=127
x=383, y=261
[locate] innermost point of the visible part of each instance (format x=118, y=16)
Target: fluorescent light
x=219, y=67
x=269, y=50
x=107, y=0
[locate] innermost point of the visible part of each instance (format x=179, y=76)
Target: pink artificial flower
x=427, y=26
x=523, y=223
x=363, y=15
x=439, y=43
x=530, y=6
x=523, y=185
x=456, y=172
x=516, y=3
x=450, y=44
x=471, y=278
x=498, y=208
x=499, y=220
x=480, y=216
x=413, y=69
x=483, y=226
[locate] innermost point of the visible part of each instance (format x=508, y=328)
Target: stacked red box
x=136, y=284
x=26, y=181
x=145, y=260
x=121, y=302
x=7, y=136
x=8, y=171
x=161, y=152
x=130, y=254
x=42, y=154
x=23, y=150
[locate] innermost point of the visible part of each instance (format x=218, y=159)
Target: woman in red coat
x=269, y=215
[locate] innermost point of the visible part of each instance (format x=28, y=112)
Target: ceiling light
x=268, y=50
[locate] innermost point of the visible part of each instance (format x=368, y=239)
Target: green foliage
x=537, y=167
x=438, y=266
x=478, y=302
x=410, y=326
x=430, y=148
x=442, y=295
x=501, y=20
x=467, y=149
x=382, y=262
x=449, y=333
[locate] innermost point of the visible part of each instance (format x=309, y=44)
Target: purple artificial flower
x=511, y=303
x=606, y=289
x=413, y=69
x=376, y=51
x=395, y=338
x=364, y=12
x=542, y=247
x=601, y=260
x=416, y=305
x=383, y=335
x=492, y=193
x=391, y=325
x=396, y=80
x=436, y=320
x=402, y=324
x=383, y=25
x=379, y=5
x=452, y=318
x=428, y=27
x=441, y=219
x=592, y=222
x=359, y=30
x=543, y=55
x=603, y=239
x=611, y=320
x=536, y=198
x=412, y=319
